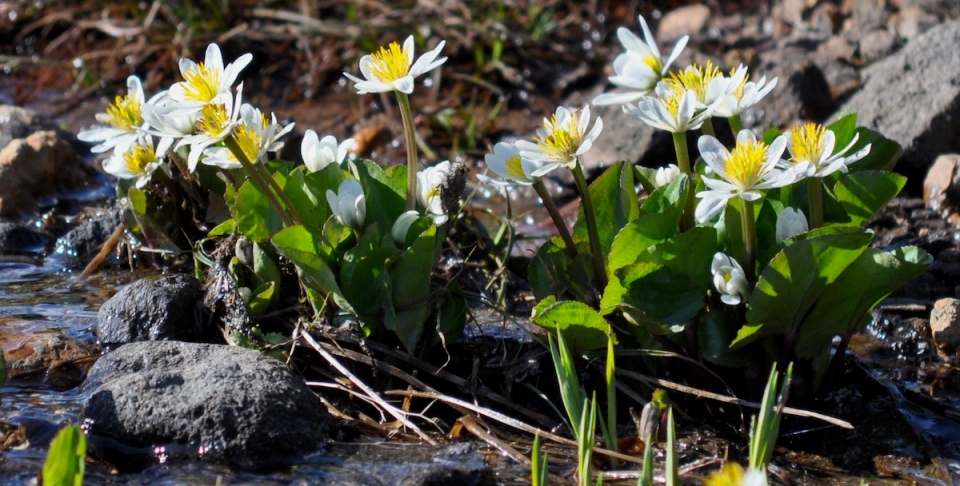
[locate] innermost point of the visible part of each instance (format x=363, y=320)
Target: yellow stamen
x=745, y=163
x=124, y=113
x=731, y=475
x=248, y=138
x=390, y=64
x=807, y=142
x=213, y=119
x=563, y=139
x=653, y=63
x=515, y=168
x=738, y=91
x=696, y=78
x=201, y=84
x=139, y=157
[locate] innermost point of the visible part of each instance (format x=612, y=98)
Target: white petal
x=404, y=84
x=617, y=98
x=426, y=61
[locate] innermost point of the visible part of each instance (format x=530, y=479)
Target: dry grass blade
x=394, y=411
x=104, y=251
x=310, y=25
x=471, y=424
x=499, y=417
x=725, y=399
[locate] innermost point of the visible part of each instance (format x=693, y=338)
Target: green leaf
x=794, y=280
x=65, y=460
x=845, y=305
x=864, y=193
x=366, y=287
x=884, y=153
x=158, y=223
x=666, y=198
x=638, y=236
x=386, y=198
x=582, y=327
x=411, y=287
x=550, y=271
x=256, y=218
x=308, y=193
x=656, y=298
x=260, y=299
x=844, y=129
x=225, y=228
x=567, y=379
x=453, y=314
x=614, y=198
x=302, y=247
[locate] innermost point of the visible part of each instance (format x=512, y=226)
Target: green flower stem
x=257, y=179
x=815, y=196
x=411, y=141
x=683, y=161
x=599, y=267
x=749, y=239
x=707, y=128
x=283, y=195
x=557, y=219
x=735, y=125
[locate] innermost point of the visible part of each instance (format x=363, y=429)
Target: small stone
x=204, y=401
x=151, y=310
x=876, y=45
x=910, y=22
x=864, y=13
x=941, y=187
x=29, y=351
x=945, y=325
x=687, y=20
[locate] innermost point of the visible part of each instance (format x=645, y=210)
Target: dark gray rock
x=387, y=463
x=151, y=310
x=221, y=403
x=913, y=97
x=90, y=233
x=802, y=91
x=21, y=239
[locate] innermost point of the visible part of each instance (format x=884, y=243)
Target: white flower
x=733, y=475
x=402, y=225
x=791, y=222
x=393, y=69
x=125, y=119
x=640, y=68
x=348, y=204
x=563, y=138
x=811, y=148
x=215, y=122
x=729, y=279
x=672, y=110
x=751, y=167
x=254, y=135
x=206, y=82
x=139, y=161
x=706, y=82
x=319, y=153
x=165, y=120
x=742, y=93
x=429, y=195
x=666, y=175
x=513, y=168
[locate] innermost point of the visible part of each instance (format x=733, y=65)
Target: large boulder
x=151, y=310
x=214, y=402
x=39, y=166
x=913, y=97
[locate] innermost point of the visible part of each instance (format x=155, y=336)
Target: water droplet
x=428, y=82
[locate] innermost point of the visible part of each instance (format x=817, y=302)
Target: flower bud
x=790, y=222
x=402, y=225
x=729, y=279
x=348, y=204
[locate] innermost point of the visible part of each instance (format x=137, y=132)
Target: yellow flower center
x=201, y=84
x=138, y=157
x=124, y=113
x=515, y=169
x=563, y=139
x=745, y=163
x=672, y=103
x=807, y=142
x=738, y=91
x=212, y=120
x=249, y=139
x=390, y=64
x=654, y=63
x=731, y=475
x=696, y=78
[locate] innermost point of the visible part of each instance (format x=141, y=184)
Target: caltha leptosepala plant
x=747, y=256
x=363, y=237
